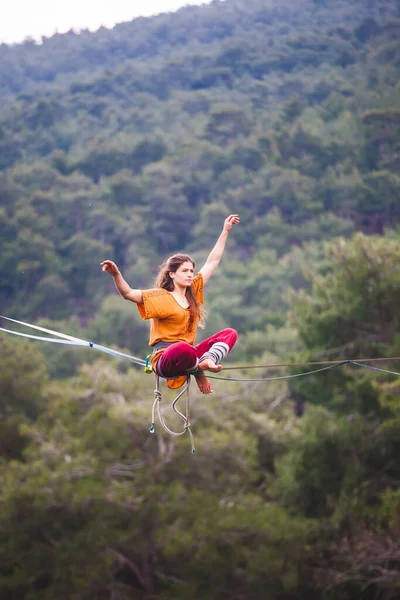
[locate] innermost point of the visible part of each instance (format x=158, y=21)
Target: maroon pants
x=181, y=357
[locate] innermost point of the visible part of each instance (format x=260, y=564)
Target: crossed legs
x=181, y=358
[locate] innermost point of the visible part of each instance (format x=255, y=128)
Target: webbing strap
x=67, y=339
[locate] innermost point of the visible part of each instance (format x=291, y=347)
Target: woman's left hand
x=231, y=220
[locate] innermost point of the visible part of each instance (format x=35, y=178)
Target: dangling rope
x=185, y=418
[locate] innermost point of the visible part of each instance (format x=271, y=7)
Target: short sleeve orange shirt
x=170, y=322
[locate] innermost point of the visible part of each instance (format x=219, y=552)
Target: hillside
x=192, y=29
x=137, y=142
x=285, y=112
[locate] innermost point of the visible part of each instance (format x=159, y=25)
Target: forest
x=136, y=142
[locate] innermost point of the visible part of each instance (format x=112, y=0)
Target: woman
x=176, y=309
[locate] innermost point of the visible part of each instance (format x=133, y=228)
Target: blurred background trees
x=135, y=143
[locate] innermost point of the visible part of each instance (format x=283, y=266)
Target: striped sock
x=217, y=352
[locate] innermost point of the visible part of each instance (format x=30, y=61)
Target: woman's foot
x=203, y=383
x=209, y=365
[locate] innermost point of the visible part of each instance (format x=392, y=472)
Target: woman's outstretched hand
x=216, y=253
x=231, y=220
x=110, y=267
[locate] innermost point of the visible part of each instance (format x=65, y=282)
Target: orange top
x=170, y=322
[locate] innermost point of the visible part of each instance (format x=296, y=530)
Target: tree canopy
x=137, y=142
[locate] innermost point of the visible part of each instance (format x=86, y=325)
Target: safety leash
x=185, y=418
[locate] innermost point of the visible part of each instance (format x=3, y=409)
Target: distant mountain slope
x=73, y=88
x=146, y=39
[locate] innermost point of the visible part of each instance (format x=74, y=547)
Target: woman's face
x=183, y=276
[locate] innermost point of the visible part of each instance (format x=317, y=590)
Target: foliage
x=137, y=142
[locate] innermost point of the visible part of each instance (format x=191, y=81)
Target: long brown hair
x=165, y=281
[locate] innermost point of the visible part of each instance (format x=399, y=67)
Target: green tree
x=23, y=376
x=351, y=313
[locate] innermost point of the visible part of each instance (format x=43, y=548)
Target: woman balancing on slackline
x=176, y=308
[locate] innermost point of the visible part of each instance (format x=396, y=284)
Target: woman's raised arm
x=124, y=289
x=216, y=253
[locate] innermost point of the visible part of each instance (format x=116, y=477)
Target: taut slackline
x=62, y=338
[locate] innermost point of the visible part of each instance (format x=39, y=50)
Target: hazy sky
x=33, y=18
